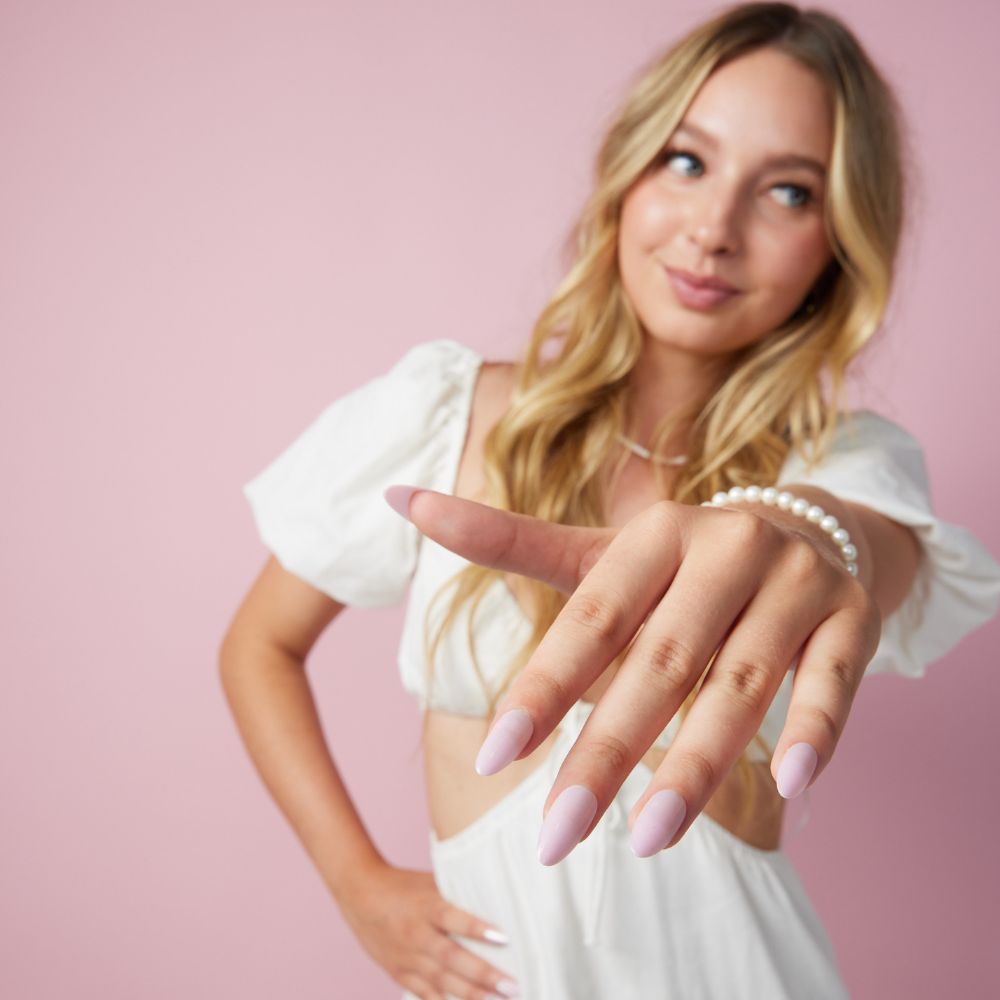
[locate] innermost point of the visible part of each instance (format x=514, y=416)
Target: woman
x=737, y=251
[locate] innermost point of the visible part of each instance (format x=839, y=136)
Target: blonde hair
x=544, y=456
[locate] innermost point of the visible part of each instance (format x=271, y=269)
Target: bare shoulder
x=490, y=400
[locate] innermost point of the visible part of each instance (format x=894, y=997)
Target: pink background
x=218, y=216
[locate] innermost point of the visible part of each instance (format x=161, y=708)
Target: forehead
x=766, y=102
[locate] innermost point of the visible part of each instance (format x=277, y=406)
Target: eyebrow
x=786, y=160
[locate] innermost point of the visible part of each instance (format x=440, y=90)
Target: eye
x=683, y=163
x=799, y=196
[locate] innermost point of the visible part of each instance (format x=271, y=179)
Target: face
x=737, y=197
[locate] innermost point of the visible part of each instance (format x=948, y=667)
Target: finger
x=557, y=554
x=457, y=921
x=597, y=622
x=459, y=986
x=725, y=714
x=419, y=987
x=472, y=968
x=667, y=658
x=823, y=689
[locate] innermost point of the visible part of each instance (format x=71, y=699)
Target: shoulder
x=490, y=401
x=445, y=360
x=493, y=391
x=868, y=426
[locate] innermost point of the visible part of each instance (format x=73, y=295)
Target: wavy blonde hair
x=545, y=455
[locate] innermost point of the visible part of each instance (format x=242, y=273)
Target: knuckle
x=549, y=690
x=439, y=948
x=672, y=663
x=749, y=530
x=595, y=614
x=705, y=771
x=450, y=953
x=846, y=676
x=803, y=562
x=746, y=682
x=826, y=722
x=662, y=515
x=588, y=556
x=612, y=753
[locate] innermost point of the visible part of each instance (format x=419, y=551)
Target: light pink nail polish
x=398, y=498
x=566, y=823
x=797, y=767
x=507, y=738
x=659, y=820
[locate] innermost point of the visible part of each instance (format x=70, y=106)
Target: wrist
x=810, y=512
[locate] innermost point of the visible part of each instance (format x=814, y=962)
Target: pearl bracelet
x=799, y=507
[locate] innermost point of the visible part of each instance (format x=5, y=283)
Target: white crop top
x=319, y=508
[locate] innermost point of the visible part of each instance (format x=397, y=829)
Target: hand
x=404, y=923
x=750, y=587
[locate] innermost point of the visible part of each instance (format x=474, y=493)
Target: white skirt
x=712, y=918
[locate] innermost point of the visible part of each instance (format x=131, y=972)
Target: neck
x=665, y=381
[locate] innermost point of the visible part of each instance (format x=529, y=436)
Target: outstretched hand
x=739, y=584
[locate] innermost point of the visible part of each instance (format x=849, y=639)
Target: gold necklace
x=638, y=449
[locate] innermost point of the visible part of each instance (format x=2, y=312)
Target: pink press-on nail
x=398, y=498
x=797, y=767
x=659, y=820
x=566, y=822
x=507, y=738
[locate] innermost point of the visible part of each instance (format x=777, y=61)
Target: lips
x=700, y=291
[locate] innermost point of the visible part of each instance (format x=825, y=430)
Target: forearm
x=270, y=697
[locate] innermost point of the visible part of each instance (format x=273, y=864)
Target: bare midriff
x=457, y=796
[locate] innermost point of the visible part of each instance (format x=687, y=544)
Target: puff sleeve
x=319, y=507
x=875, y=462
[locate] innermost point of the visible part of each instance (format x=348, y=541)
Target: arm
x=262, y=669
x=397, y=914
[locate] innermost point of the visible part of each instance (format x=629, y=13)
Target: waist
x=748, y=807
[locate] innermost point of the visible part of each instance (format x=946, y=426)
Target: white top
x=319, y=508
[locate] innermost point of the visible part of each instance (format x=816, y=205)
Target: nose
x=713, y=225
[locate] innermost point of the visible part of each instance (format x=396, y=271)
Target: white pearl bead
x=799, y=506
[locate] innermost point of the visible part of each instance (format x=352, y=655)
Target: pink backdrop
x=218, y=216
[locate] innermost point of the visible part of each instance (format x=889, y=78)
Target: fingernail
x=398, y=497
x=508, y=988
x=657, y=823
x=566, y=823
x=497, y=937
x=797, y=767
x=507, y=738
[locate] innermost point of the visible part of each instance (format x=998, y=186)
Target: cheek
x=646, y=217
x=795, y=260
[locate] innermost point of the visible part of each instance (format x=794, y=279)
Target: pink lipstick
x=700, y=292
